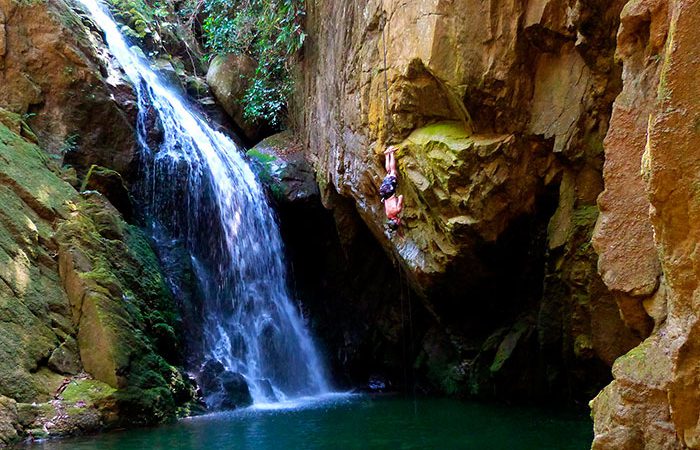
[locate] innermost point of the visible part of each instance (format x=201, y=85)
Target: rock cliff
x=87, y=317
x=500, y=110
x=551, y=134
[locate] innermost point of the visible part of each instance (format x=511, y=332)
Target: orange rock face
x=654, y=402
x=624, y=238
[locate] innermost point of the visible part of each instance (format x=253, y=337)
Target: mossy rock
x=9, y=421
x=11, y=120
x=283, y=169
x=91, y=392
x=127, y=314
x=107, y=290
x=32, y=301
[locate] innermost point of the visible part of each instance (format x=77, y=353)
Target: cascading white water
x=198, y=188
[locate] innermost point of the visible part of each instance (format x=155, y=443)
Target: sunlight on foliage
x=271, y=32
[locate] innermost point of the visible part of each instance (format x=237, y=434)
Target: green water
x=358, y=422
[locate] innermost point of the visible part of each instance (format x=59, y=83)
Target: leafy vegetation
x=271, y=32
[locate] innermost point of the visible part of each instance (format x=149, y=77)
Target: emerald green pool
x=358, y=422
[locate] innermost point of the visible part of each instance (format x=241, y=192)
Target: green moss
x=269, y=170
x=508, y=346
x=135, y=15
x=28, y=166
x=32, y=198
x=593, y=144
x=127, y=307
x=88, y=391
x=10, y=120
x=453, y=134
x=583, y=346
x=452, y=381
x=645, y=363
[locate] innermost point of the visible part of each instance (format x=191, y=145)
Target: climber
x=393, y=205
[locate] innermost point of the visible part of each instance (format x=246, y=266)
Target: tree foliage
x=271, y=32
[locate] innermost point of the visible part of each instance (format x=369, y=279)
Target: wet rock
x=236, y=392
x=209, y=375
x=223, y=389
x=378, y=383
x=197, y=87
x=351, y=291
x=267, y=390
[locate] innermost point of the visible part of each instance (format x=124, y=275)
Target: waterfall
x=198, y=189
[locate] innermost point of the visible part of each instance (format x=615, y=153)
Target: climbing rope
x=408, y=350
x=403, y=320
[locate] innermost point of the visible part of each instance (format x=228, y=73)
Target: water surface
x=358, y=422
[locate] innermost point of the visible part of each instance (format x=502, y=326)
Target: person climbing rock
x=393, y=204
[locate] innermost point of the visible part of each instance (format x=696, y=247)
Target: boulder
x=475, y=186
x=229, y=77
x=236, y=392
x=223, y=389
x=283, y=168
x=66, y=359
x=9, y=422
